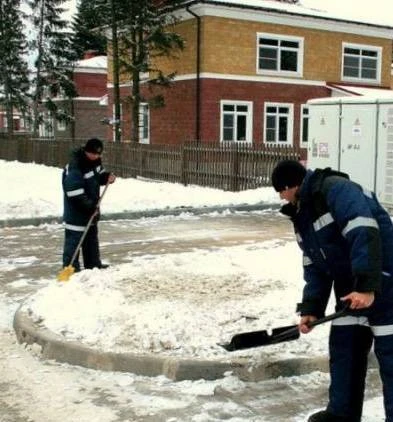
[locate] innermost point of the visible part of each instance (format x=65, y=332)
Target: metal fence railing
x=231, y=167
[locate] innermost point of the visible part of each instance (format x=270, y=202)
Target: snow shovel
x=278, y=335
x=66, y=272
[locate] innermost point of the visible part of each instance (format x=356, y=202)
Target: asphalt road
x=33, y=390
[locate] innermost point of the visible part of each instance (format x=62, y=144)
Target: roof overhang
x=281, y=13
x=360, y=91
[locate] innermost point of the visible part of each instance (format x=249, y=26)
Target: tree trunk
x=116, y=77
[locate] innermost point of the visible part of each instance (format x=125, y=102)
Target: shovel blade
x=65, y=273
x=280, y=334
x=262, y=338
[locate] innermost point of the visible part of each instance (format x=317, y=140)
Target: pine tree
x=14, y=80
x=146, y=33
x=110, y=13
x=87, y=27
x=54, y=60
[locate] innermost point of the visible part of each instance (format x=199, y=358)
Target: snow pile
x=182, y=304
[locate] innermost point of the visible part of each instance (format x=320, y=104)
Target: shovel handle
x=330, y=317
x=291, y=332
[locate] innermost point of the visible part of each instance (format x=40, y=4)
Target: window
x=236, y=121
x=278, y=123
x=62, y=124
x=361, y=63
x=46, y=125
x=280, y=54
x=144, y=123
x=305, y=115
x=23, y=123
x=61, y=94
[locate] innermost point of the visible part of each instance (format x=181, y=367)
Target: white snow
x=35, y=191
x=244, y=287
x=173, y=303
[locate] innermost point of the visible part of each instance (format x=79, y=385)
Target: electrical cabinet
x=354, y=135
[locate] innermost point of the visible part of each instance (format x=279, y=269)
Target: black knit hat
x=94, y=145
x=288, y=174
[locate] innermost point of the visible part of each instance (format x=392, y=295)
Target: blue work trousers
x=350, y=342
x=90, y=248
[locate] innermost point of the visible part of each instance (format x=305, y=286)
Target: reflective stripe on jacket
x=81, y=181
x=346, y=238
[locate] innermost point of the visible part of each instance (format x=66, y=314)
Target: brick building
x=249, y=67
x=89, y=107
x=20, y=121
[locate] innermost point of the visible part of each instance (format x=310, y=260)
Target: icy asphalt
x=35, y=389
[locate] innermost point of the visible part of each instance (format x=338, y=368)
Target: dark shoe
x=325, y=416
x=103, y=266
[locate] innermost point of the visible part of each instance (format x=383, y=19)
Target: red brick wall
x=215, y=90
x=90, y=84
x=176, y=121
x=87, y=120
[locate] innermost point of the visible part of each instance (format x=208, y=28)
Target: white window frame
x=46, y=127
x=280, y=38
x=304, y=117
x=61, y=125
x=144, y=123
x=61, y=94
x=237, y=113
x=362, y=48
x=278, y=114
x=22, y=122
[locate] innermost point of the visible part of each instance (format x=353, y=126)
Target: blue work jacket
x=81, y=181
x=346, y=237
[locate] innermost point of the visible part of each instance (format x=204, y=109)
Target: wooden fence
x=231, y=167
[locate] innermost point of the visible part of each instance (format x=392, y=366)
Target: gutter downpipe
x=198, y=77
x=378, y=109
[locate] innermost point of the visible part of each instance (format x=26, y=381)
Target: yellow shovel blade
x=66, y=273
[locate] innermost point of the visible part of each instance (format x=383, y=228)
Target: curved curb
x=55, y=347
x=133, y=215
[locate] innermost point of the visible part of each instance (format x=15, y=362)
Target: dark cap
x=288, y=174
x=94, y=145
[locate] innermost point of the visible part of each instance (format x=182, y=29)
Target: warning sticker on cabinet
x=356, y=130
x=323, y=149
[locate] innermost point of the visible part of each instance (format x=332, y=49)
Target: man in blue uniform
x=347, y=242
x=81, y=179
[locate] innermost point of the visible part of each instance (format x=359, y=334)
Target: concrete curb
x=55, y=347
x=132, y=215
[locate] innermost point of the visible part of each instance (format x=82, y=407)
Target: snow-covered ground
x=35, y=191
x=180, y=304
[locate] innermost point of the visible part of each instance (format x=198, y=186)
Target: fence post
x=183, y=176
x=235, y=168
x=141, y=160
